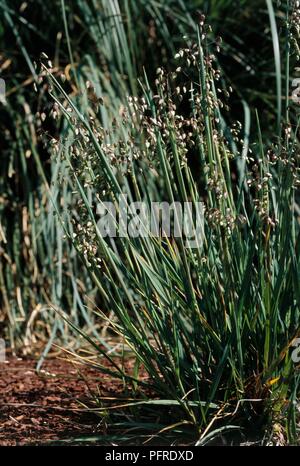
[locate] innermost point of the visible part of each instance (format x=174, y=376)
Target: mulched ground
x=43, y=408
x=38, y=409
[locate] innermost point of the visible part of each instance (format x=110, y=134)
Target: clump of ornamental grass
x=213, y=326
x=109, y=42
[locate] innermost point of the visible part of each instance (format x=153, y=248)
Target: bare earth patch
x=38, y=408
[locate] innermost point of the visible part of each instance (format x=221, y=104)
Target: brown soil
x=42, y=408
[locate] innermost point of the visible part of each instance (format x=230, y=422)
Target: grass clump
x=214, y=327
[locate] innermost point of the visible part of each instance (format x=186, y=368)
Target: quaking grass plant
x=106, y=42
x=214, y=328
x=96, y=40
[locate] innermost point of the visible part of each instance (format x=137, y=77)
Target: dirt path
x=36, y=409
